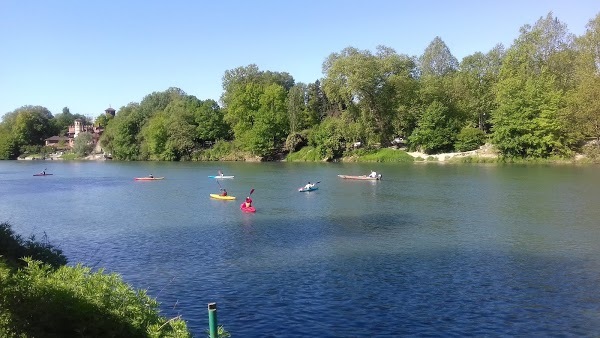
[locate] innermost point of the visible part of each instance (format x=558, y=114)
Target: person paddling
x=224, y=192
x=248, y=202
x=309, y=186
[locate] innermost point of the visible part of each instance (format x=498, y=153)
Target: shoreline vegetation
x=485, y=154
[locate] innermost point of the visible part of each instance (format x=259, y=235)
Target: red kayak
x=247, y=209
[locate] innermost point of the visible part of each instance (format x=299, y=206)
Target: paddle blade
x=317, y=182
x=251, y=191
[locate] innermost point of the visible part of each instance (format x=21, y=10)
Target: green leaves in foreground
x=37, y=301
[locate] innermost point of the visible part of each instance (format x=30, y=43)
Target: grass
x=70, y=156
x=306, y=154
x=385, y=155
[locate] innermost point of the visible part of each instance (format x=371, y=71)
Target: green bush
x=38, y=301
x=295, y=141
x=221, y=151
x=469, y=138
x=306, y=154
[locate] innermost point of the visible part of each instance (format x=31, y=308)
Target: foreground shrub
x=38, y=301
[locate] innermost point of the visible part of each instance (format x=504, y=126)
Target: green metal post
x=212, y=320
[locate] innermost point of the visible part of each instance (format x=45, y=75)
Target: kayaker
x=151, y=176
x=308, y=186
x=248, y=202
x=224, y=192
x=373, y=174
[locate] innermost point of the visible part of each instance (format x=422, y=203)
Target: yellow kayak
x=219, y=197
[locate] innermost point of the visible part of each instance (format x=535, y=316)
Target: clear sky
x=87, y=55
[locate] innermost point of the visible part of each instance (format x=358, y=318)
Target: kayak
x=247, y=209
x=220, y=176
x=303, y=189
x=148, y=178
x=43, y=174
x=362, y=177
x=220, y=197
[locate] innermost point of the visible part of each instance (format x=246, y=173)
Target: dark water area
x=431, y=250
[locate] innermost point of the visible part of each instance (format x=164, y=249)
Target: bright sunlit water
x=431, y=250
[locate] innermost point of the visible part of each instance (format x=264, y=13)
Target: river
x=431, y=250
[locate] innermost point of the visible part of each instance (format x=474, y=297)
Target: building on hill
x=67, y=141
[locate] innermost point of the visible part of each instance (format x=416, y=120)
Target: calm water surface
x=432, y=250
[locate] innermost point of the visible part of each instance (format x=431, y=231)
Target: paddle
x=251, y=191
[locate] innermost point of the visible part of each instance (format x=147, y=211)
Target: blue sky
x=87, y=55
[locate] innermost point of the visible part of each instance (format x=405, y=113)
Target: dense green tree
x=328, y=138
x=437, y=60
x=210, y=121
x=475, y=84
x=296, y=107
x=271, y=122
x=584, y=103
x=103, y=120
x=123, y=137
x=29, y=125
x=366, y=81
x=62, y=121
x=155, y=134
x=83, y=144
x=9, y=149
x=255, y=108
x=317, y=104
x=437, y=113
x=436, y=130
x=120, y=136
x=181, y=140
x=469, y=138
x=530, y=120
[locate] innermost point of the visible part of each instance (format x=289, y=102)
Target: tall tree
x=296, y=107
x=316, y=104
x=530, y=120
x=475, y=83
x=209, y=118
x=251, y=100
x=437, y=60
x=364, y=81
x=83, y=144
x=29, y=125
x=584, y=103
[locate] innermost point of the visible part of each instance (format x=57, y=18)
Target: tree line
x=538, y=98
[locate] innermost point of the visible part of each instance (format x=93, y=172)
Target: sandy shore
x=482, y=152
